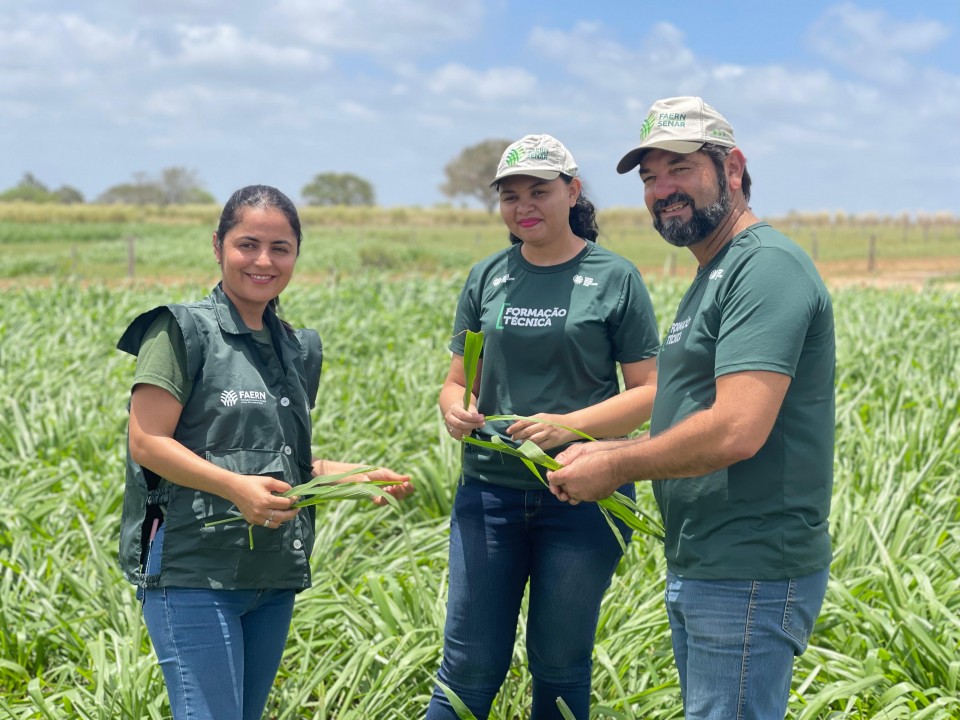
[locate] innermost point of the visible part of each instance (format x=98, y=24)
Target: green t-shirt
x=758, y=305
x=162, y=360
x=552, y=339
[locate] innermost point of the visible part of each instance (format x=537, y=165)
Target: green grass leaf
x=346, y=491
x=472, y=346
x=565, y=710
x=324, y=481
x=459, y=707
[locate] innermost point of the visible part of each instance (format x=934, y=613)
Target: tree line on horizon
x=468, y=174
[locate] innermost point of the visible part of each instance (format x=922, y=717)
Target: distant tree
x=174, y=186
x=338, y=189
x=141, y=191
x=29, y=189
x=472, y=170
x=181, y=186
x=67, y=194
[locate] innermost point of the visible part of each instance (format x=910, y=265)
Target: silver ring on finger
x=266, y=523
x=270, y=516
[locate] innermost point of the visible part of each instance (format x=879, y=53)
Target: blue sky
x=838, y=106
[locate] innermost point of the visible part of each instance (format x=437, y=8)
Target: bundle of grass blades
x=617, y=505
x=325, y=488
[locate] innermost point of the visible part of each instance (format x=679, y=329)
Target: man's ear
x=734, y=166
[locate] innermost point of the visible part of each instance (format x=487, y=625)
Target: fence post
x=131, y=256
x=670, y=266
x=814, y=250
x=872, y=253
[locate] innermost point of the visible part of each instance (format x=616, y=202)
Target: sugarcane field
x=381, y=286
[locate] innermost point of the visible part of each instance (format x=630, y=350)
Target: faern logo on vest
x=244, y=397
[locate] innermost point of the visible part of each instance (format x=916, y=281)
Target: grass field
x=366, y=639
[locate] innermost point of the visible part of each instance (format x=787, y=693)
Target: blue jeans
x=499, y=538
x=734, y=642
x=219, y=649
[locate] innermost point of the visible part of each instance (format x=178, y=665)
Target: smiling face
x=256, y=257
x=538, y=211
x=686, y=196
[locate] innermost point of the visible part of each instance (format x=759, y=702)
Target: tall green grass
x=366, y=639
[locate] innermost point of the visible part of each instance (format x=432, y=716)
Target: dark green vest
x=248, y=412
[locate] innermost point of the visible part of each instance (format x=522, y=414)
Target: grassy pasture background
x=366, y=639
x=93, y=243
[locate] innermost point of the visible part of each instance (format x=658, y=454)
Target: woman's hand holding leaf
x=401, y=488
x=388, y=485
x=462, y=421
x=259, y=498
x=545, y=429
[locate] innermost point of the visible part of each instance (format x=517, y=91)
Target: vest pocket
x=210, y=508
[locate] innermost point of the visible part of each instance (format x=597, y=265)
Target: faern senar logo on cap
x=647, y=126
x=514, y=156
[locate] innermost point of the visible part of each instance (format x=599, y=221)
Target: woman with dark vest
x=220, y=424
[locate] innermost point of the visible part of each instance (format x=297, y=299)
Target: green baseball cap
x=540, y=156
x=681, y=125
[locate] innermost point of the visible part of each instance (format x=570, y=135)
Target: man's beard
x=702, y=222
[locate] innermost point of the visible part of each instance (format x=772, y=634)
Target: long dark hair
x=583, y=217
x=262, y=197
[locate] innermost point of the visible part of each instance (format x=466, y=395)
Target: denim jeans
x=219, y=649
x=734, y=642
x=499, y=538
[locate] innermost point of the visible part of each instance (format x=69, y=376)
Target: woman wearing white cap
x=559, y=314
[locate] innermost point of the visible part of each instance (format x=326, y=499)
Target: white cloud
x=383, y=27
x=45, y=39
x=226, y=45
x=661, y=59
x=872, y=44
x=357, y=111
x=461, y=82
x=198, y=103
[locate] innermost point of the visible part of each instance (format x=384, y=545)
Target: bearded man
x=740, y=448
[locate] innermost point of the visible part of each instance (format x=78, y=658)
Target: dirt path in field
x=914, y=273
x=910, y=272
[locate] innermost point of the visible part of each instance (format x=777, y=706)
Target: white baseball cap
x=681, y=125
x=540, y=156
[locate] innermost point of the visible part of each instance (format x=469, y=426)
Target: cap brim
x=541, y=174
x=629, y=161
